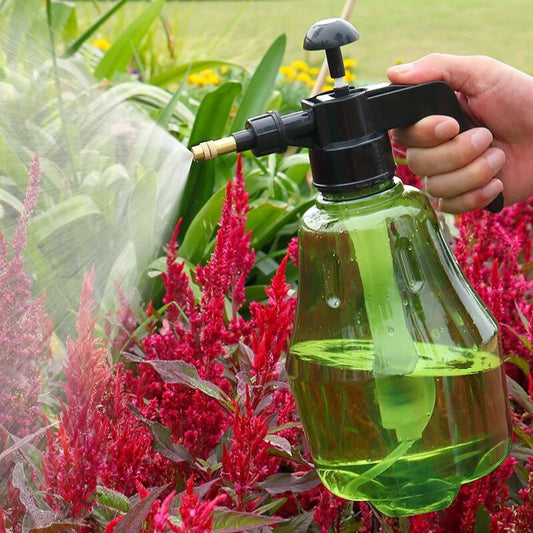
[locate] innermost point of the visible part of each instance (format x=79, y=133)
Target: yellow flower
x=224, y=70
x=314, y=71
x=196, y=79
x=212, y=78
x=288, y=72
x=350, y=63
x=300, y=65
x=303, y=77
x=206, y=77
x=350, y=76
x=102, y=43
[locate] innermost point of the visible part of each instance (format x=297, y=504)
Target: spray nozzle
x=344, y=129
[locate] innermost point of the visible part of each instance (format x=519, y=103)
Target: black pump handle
x=395, y=106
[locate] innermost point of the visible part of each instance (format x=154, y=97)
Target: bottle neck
x=359, y=192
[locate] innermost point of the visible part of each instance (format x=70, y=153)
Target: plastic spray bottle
x=394, y=363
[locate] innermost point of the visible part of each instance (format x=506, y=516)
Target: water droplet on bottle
x=390, y=331
x=333, y=302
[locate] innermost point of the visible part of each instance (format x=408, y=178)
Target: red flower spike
x=110, y=528
x=75, y=452
x=245, y=463
x=196, y=515
x=25, y=333
x=25, y=329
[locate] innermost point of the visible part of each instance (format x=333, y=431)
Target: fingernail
x=402, y=68
x=446, y=129
x=493, y=188
x=481, y=139
x=495, y=159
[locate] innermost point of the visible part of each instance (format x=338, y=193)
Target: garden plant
x=147, y=306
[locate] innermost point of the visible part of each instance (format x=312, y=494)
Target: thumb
x=460, y=72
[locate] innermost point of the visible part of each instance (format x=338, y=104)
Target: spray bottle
x=394, y=362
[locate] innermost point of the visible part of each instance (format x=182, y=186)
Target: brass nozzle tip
x=211, y=149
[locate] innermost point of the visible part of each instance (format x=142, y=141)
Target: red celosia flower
x=244, y=464
x=292, y=249
x=24, y=328
x=75, y=453
x=271, y=327
x=327, y=513
x=25, y=332
x=489, y=252
x=196, y=515
x=402, y=170
x=198, y=333
x=367, y=518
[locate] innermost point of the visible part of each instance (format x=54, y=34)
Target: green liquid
x=455, y=400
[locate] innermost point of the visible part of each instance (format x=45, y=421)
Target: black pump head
x=330, y=35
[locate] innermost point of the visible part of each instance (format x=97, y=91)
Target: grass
x=391, y=30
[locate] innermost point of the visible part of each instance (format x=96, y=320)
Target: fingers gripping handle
x=394, y=106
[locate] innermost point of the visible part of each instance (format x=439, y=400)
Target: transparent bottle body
x=395, y=362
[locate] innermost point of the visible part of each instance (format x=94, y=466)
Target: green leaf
x=186, y=374
x=75, y=46
x=60, y=215
x=261, y=84
x=483, y=520
x=142, y=92
x=12, y=164
x=263, y=221
x=122, y=50
x=112, y=499
x=62, y=13
x=7, y=198
x=168, y=112
x=176, y=74
x=519, y=395
x=163, y=442
x=200, y=232
x=210, y=123
x=280, y=483
x=228, y=521
x=300, y=523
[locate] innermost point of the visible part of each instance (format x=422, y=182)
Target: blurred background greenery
x=391, y=31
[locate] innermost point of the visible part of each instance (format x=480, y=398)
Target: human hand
x=467, y=171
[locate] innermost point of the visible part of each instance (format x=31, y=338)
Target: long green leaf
x=228, y=521
x=266, y=219
x=200, y=232
x=75, y=46
x=7, y=198
x=12, y=164
x=263, y=219
x=120, y=53
x=176, y=74
x=261, y=84
x=210, y=123
x=62, y=214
